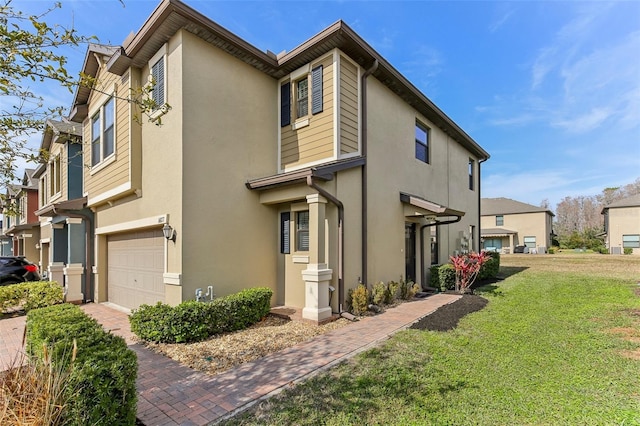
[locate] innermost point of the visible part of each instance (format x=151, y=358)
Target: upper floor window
x=302, y=94
x=422, y=142
x=103, y=132
x=42, y=190
x=471, y=173
x=499, y=220
x=55, y=176
x=302, y=98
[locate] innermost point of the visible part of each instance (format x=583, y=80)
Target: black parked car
x=17, y=269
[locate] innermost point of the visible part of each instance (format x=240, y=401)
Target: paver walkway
x=171, y=394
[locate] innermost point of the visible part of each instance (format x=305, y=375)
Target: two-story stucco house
x=622, y=225
x=307, y=171
x=66, y=226
x=20, y=221
x=506, y=223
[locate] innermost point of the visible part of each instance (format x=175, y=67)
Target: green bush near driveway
x=193, y=321
x=443, y=277
x=31, y=295
x=102, y=382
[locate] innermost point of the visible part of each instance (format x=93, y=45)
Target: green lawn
x=558, y=344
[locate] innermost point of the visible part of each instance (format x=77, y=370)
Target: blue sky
x=550, y=89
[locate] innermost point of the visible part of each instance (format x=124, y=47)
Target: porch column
x=74, y=270
x=317, y=276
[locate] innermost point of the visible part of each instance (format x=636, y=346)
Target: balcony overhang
x=60, y=208
x=419, y=207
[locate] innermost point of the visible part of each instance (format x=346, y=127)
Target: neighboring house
x=20, y=221
x=622, y=225
x=507, y=223
x=6, y=243
x=65, y=224
x=306, y=172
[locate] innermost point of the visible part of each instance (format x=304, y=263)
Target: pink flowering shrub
x=467, y=267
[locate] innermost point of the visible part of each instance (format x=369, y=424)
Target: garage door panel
x=135, y=266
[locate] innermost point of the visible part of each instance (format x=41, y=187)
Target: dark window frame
x=422, y=144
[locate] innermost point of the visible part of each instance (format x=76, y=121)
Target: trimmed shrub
x=103, y=374
x=491, y=267
x=359, y=299
x=446, y=277
x=193, y=321
x=31, y=295
x=628, y=250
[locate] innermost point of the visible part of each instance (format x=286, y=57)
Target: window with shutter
x=316, y=90
x=302, y=97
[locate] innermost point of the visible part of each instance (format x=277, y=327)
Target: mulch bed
x=447, y=317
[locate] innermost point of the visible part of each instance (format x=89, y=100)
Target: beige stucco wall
x=393, y=168
x=623, y=221
x=230, y=125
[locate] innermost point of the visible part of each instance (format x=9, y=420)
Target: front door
x=410, y=251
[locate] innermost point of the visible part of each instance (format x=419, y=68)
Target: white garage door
x=135, y=262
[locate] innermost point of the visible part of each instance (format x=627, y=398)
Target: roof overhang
x=418, y=206
x=60, y=208
x=324, y=172
x=497, y=232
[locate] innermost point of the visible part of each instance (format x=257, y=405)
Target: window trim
x=472, y=167
x=423, y=127
x=499, y=220
x=526, y=243
x=301, y=101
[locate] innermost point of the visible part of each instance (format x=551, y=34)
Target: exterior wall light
x=168, y=232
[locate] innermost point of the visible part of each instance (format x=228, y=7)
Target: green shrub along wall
x=193, y=321
x=31, y=295
x=101, y=387
x=491, y=267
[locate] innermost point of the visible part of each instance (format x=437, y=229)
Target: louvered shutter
x=285, y=104
x=285, y=220
x=316, y=90
x=157, y=72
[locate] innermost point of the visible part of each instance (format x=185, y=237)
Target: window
x=302, y=98
x=55, y=176
x=302, y=231
x=157, y=75
x=471, y=174
x=499, y=220
x=422, y=142
x=301, y=94
x=530, y=242
x=285, y=219
x=631, y=241
x=43, y=190
x=103, y=132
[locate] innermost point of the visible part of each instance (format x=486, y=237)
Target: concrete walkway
x=171, y=394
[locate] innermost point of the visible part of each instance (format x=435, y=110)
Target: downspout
x=340, y=206
x=363, y=111
x=428, y=225
x=88, y=289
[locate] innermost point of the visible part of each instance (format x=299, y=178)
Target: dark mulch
x=446, y=317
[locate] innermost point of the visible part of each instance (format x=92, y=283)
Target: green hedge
x=491, y=267
x=31, y=295
x=102, y=382
x=443, y=277
x=196, y=321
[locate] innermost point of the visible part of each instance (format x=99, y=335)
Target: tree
x=30, y=53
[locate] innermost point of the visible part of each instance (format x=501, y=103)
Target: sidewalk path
x=171, y=394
